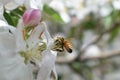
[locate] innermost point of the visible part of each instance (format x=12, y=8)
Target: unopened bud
x=31, y=17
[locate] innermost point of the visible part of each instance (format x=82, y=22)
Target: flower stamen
x=41, y=34
x=23, y=34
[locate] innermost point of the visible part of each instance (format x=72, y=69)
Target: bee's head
x=58, y=44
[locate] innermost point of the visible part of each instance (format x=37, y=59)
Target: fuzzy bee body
x=61, y=43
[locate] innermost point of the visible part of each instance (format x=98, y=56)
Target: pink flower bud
x=31, y=17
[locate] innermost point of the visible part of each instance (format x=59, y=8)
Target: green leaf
x=90, y=22
x=107, y=21
x=18, y=11
x=72, y=32
x=113, y=34
x=9, y=18
x=115, y=14
x=13, y=17
x=76, y=66
x=52, y=14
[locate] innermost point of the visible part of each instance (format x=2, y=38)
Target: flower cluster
x=25, y=51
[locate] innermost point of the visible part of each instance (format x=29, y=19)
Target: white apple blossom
x=36, y=4
x=116, y=4
x=11, y=4
x=17, y=52
x=47, y=61
x=12, y=66
x=60, y=7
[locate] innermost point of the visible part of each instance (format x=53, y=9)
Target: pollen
x=31, y=55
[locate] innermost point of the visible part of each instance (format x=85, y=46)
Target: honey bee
x=60, y=43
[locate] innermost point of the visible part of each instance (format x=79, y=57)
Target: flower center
x=33, y=54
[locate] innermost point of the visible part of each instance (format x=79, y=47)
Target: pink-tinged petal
x=47, y=65
x=26, y=16
x=20, y=42
x=31, y=17
x=13, y=68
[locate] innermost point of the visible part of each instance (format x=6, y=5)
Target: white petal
x=20, y=2
x=47, y=65
x=7, y=42
x=3, y=23
x=5, y=27
x=11, y=5
x=1, y=11
x=47, y=36
x=116, y=4
x=105, y=11
x=5, y=1
x=36, y=4
x=65, y=17
x=20, y=42
x=54, y=74
x=13, y=68
x=34, y=37
x=57, y=5
x=46, y=1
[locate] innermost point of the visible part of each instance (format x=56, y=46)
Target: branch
x=106, y=55
x=113, y=26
